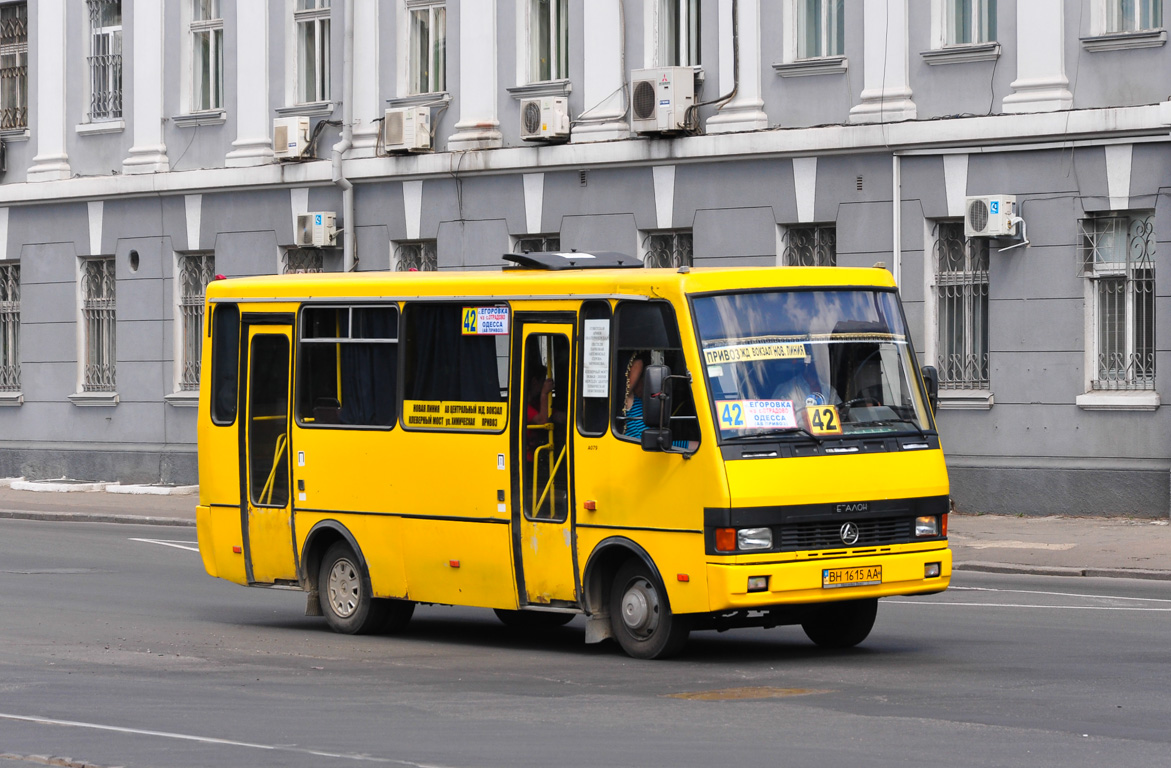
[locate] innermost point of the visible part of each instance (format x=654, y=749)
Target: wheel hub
x=344, y=588
x=640, y=608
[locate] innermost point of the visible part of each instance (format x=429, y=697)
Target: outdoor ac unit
x=544, y=119
x=990, y=216
x=290, y=137
x=407, y=129
x=660, y=98
x=316, y=229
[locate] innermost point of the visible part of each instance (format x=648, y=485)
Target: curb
x=1054, y=570
x=84, y=517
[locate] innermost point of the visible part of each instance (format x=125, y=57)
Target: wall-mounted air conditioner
x=290, y=137
x=990, y=216
x=544, y=119
x=407, y=129
x=660, y=98
x=316, y=229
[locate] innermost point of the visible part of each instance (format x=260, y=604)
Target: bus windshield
x=821, y=363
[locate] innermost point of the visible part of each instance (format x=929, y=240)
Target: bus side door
x=543, y=538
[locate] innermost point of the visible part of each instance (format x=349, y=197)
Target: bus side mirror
x=656, y=395
x=931, y=381
x=656, y=440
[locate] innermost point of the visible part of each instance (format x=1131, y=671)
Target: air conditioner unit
x=544, y=119
x=990, y=216
x=660, y=98
x=316, y=229
x=290, y=137
x=407, y=129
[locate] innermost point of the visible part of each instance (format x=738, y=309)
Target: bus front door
x=542, y=500
x=268, y=530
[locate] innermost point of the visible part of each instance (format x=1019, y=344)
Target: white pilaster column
x=604, y=117
x=1041, y=84
x=886, y=81
x=744, y=112
x=479, y=125
x=149, y=153
x=367, y=106
x=48, y=123
x=253, y=144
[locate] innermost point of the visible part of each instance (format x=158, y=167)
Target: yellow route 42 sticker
x=485, y=321
x=823, y=419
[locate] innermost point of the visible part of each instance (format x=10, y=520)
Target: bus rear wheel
x=640, y=618
x=343, y=587
x=841, y=625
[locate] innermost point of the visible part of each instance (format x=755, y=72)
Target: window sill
x=105, y=126
x=11, y=398
x=15, y=134
x=420, y=100
x=1145, y=400
x=962, y=54
x=94, y=399
x=195, y=119
x=1124, y=41
x=183, y=399
x=315, y=109
x=966, y=400
x=546, y=88
x=825, y=65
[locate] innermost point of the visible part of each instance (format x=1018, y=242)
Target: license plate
x=832, y=578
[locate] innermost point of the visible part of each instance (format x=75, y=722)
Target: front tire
x=841, y=625
x=343, y=588
x=640, y=617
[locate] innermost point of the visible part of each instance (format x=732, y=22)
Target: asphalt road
x=116, y=649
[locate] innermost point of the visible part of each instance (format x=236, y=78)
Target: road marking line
x=1025, y=605
x=1061, y=594
x=211, y=740
x=165, y=543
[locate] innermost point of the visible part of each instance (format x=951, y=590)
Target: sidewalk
x=1055, y=546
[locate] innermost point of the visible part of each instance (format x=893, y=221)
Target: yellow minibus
x=661, y=451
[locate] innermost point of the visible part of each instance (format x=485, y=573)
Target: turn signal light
x=943, y=528
x=725, y=539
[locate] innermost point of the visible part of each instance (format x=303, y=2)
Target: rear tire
x=343, y=588
x=533, y=619
x=841, y=625
x=640, y=617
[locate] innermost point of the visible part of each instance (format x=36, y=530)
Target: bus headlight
x=754, y=538
x=926, y=526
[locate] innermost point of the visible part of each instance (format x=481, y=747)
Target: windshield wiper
x=777, y=432
x=889, y=423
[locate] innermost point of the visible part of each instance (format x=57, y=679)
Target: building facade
x=152, y=145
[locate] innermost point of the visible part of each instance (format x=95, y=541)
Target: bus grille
x=825, y=535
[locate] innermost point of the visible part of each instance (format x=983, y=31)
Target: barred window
x=428, y=72
x=299, y=260
x=821, y=28
x=1133, y=15
x=961, y=297
x=548, y=40
x=9, y=327
x=313, y=57
x=669, y=249
x=196, y=270
x=812, y=246
x=1117, y=256
x=207, y=55
x=105, y=59
x=969, y=21
x=416, y=256
x=538, y=244
x=97, y=314
x=13, y=66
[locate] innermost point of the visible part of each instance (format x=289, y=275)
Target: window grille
x=299, y=260
x=821, y=28
x=13, y=66
x=1133, y=15
x=418, y=256
x=196, y=270
x=548, y=40
x=668, y=249
x=813, y=246
x=9, y=327
x=538, y=243
x=961, y=295
x=97, y=312
x=428, y=47
x=313, y=57
x=207, y=55
x=1117, y=256
x=105, y=60
x=679, y=33
x=970, y=21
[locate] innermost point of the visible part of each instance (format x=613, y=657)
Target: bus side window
x=648, y=334
x=225, y=363
x=593, y=406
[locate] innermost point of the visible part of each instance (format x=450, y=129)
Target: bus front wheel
x=841, y=625
x=640, y=617
x=343, y=586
